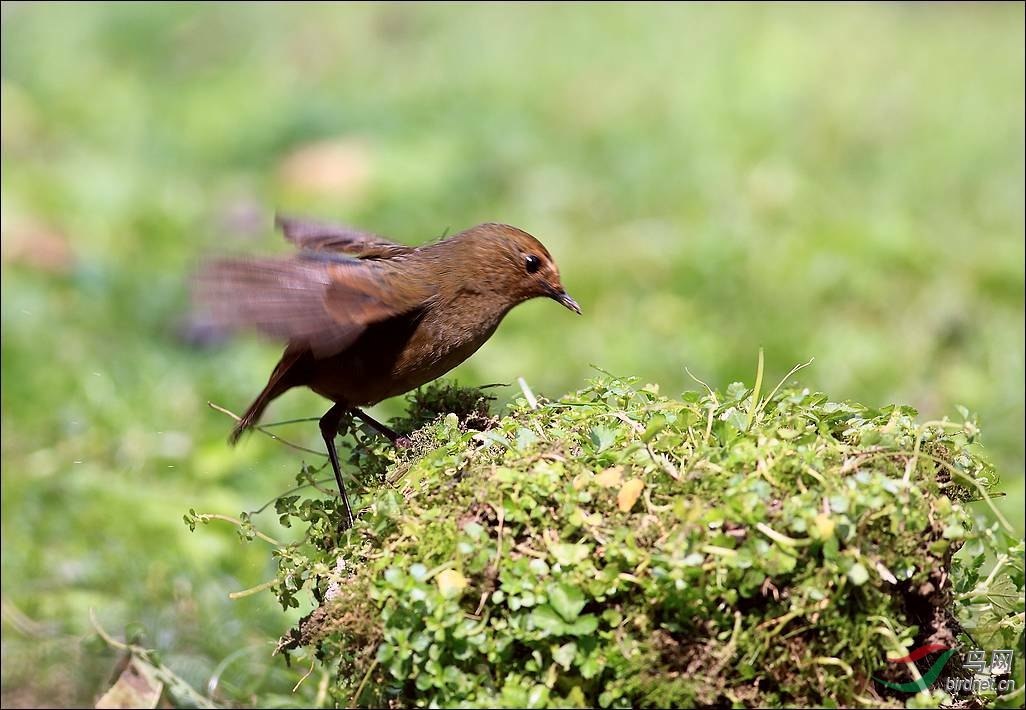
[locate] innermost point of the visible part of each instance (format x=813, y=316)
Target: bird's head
x=510, y=261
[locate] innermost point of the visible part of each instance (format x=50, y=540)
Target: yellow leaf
x=451, y=583
x=824, y=526
x=629, y=493
x=611, y=477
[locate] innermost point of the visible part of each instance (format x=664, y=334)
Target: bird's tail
x=276, y=385
x=252, y=415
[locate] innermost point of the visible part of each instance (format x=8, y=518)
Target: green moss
x=620, y=548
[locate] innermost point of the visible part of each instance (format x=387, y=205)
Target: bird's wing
x=324, y=237
x=320, y=305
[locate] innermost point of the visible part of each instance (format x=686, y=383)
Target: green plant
x=620, y=548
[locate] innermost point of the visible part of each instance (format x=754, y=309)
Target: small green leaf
x=602, y=438
x=538, y=697
x=870, y=437
x=584, y=626
x=566, y=600
x=545, y=618
x=394, y=576
x=655, y=425
x=569, y=553
x=954, y=532
x=473, y=530
x=564, y=655
x=858, y=574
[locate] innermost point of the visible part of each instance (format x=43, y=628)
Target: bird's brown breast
x=402, y=353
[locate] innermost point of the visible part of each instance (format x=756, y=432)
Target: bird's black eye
x=532, y=263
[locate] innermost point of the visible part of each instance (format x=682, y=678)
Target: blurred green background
x=841, y=182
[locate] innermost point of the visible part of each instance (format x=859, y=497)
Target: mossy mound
x=620, y=548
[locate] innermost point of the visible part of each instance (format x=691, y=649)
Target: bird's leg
x=329, y=429
x=390, y=434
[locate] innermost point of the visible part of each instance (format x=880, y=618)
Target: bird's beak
x=564, y=298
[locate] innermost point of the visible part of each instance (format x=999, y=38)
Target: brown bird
x=365, y=318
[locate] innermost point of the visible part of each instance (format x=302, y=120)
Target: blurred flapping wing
x=321, y=236
x=322, y=305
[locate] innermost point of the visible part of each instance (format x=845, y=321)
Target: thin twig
x=728, y=651
x=793, y=370
x=110, y=640
x=305, y=676
x=283, y=422
x=712, y=409
x=366, y=677
x=309, y=484
x=252, y=590
x=710, y=389
x=239, y=523
x=262, y=430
